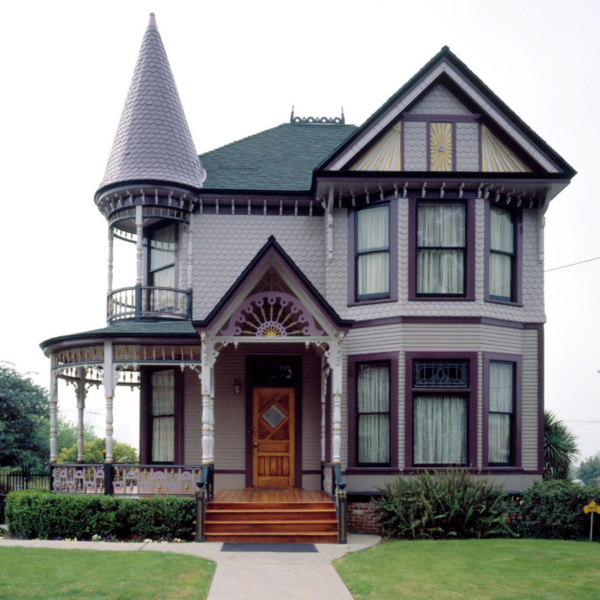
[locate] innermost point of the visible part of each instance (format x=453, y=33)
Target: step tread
x=270, y=522
x=271, y=510
x=275, y=533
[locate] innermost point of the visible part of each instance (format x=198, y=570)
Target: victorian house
x=319, y=307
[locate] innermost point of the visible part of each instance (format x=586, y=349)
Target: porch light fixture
x=237, y=386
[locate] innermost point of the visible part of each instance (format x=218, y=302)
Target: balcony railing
x=146, y=301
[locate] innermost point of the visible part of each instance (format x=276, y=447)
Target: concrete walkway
x=250, y=575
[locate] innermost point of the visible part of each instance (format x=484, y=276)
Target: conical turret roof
x=153, y=142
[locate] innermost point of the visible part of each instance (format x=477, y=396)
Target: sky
x=239, y=67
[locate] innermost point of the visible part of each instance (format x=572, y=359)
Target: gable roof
x=279, y=159
x=153, y=141
x=273, y=246
x=412, y=86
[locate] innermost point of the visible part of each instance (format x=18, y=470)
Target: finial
x=343, y=118
x=152, y=22
x=292, y=115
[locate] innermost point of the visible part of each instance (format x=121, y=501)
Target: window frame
x=146, y=418
x=470, y=393
x=148, y=237
x=517, y=261
x=516, y=425
x=469, y=252
x=376, y=358
x=392, y=296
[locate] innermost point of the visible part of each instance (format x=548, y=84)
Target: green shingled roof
x=278, y=159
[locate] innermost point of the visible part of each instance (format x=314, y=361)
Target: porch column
x=111, y=238
x=336, y=389
x=206, y=402
x=211, y=453
x=139, y=254
x=324, y=374
x=108, y=380
x=53, y=413
x=81, y=394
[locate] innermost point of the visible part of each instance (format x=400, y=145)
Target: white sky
x=239, y=67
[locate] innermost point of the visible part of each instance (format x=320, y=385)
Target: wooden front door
x=273, y=437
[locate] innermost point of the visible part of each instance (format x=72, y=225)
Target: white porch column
x=324, y=374
x=336, y=389
x=206, y=401
x=108, y=380
x=111, y=238
x=81, y=394
x=211, y=453
x=53, y=414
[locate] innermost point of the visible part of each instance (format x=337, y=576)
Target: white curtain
x=162, y=248
x=502, y=239
x=441, y=270
x=501, y=408
x=374, y=267
x=163, y=420
x=440, y=430
x=373, y=428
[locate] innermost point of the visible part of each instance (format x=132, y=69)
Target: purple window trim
x=353, y=359
x=469, y=259
x=517, y=432
x=518, y=259
x=352, y=291
x=470, y=392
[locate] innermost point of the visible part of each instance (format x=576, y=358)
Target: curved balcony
x=145, y=301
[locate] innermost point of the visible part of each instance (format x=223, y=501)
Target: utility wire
x=572, y=264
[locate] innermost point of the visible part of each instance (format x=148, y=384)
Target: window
x=373, y=413
x=161, y=271
x=373, y=253
x=440, y=397
x=502, y=255
x=501, y=413
x=162, y=416
x=441, y=248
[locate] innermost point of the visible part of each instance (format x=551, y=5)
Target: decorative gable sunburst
x=496, y=157
x=440, y=146
x=386, y=155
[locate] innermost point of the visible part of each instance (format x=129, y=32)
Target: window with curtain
x=373, y=413
x=440, y=416
x=373, y=253
x=161, y=268
x=162, y=416
x=501, y=413
x=441, y=248
x=502, y=254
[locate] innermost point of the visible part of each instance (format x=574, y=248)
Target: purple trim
x=444, y=321
x=328, y=422
x=230, y=472
x=541, y=419
x=454, y=144
x=439, y=118
x=402, y=163
x=304, y=318
x=480, y=143
x=470, y=252
x=298, y=363
x=471, y=392
x=313, y=472
x=353, y=359
x=517, y=434
x=352, y=291
x=372, y=471
x=517, y=284
x=428, y=144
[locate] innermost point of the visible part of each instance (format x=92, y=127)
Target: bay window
x=441, y=248
x=373, y=252
x=501, y=271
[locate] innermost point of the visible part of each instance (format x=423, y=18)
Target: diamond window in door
x=273, y=416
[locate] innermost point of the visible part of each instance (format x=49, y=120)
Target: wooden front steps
x=260, y=517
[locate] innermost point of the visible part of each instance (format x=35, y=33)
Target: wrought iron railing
x=125, y=479
x=333, y=484
x=149, y=301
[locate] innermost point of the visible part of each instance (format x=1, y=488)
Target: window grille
x=441, y=374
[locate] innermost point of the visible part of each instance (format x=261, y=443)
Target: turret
x=149, y=189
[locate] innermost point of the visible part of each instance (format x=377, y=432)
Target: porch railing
x=333, y=484
x=119, y=479
x=149, y=301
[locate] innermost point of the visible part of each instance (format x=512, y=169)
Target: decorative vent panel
x=441, y=374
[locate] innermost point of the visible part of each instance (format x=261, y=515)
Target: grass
x=48, y=574
x=474, y=569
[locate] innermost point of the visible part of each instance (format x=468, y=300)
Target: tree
x=24, y=407
x=66, y=434
x=95, y=452
x=589, y=470
x=560, y=448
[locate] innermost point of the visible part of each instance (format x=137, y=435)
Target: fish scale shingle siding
x=467, y=146
x=439, y=100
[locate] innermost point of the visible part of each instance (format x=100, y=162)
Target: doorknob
x=255, y=447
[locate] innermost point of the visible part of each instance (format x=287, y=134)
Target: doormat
x=242, y=547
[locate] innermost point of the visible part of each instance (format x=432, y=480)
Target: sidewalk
x=249, y=575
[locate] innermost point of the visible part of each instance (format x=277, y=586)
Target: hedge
x=553, y=510
x=37, y=514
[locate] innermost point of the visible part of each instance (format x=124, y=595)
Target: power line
x=572, y=264
x=576, y=421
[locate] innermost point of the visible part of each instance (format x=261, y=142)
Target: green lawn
x=48, y=574
x=474, y=569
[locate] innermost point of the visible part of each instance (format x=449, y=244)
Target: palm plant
x=560, y=448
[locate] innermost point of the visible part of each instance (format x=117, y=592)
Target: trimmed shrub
x=553, y=509
x=43, y=515
x=446, y=504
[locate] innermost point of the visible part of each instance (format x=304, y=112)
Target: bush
x=43, y=515
x=553, y=509
x=448, y=504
